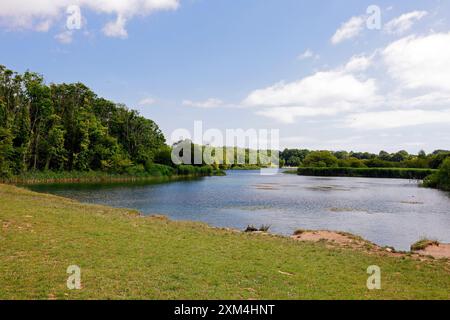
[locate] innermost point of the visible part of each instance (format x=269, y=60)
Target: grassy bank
x=394, y=173
x=122, y=255
x=152, y=173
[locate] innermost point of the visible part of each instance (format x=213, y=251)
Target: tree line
x=344, y=159
x=68, y=127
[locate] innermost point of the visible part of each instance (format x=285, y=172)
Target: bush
x=320, y=159
x=440, y=179
x=351, y=163
x=163, y=156
x=136, y=170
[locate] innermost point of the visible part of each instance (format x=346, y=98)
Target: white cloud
x=349, y=30
x=420, y=62
x=30, y=14
x=289, y=114
x=403, y=23
x=43, y=26
x=358, y=63
x=116, y=28
x=207, y=104
x=307, y=55
x=323, y=93
x=147, y=102
x=325, y=88
x=65, y=37
x=396, y=119
x=415, y=90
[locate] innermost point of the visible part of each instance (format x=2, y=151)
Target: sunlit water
x=385, y=211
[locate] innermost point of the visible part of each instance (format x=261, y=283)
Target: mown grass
x=124, y=256
x=393, y=173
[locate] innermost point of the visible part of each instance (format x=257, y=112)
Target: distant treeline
x=394, y=173
x=344, y=159
x=433, y=167
x=68, y=128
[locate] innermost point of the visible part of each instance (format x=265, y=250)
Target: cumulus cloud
x=358, y=63
x=116, y=28
x=146, y=102
x=38, y=14
x=323, y=93
x=420, y=93
x=349, y=30
x=420, y=62
x=207, y=104
x=396, y=119
x=65, y=37
x=325, y=88
x=405, y=22
x=412, y=88
x=308, y=54
x=290, y=114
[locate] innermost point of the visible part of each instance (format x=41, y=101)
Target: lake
x=388, y=212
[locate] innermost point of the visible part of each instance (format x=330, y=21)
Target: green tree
x=320, y=159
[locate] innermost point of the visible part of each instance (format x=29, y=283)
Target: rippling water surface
x=385, y=211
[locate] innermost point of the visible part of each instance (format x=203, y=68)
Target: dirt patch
x=316, y=236
x=436, y=251
x=342, y=239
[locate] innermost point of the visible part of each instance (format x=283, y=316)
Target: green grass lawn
x=123, y=256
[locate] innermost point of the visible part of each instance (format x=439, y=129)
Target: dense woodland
x=68, y=127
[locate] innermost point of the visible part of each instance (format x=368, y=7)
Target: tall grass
x=137, y=173
x=395, y=173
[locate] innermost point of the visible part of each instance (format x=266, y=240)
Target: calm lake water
x=385, y=211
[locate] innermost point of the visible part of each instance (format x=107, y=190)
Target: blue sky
x=311, y=69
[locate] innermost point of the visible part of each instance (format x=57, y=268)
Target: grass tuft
x=423, y=244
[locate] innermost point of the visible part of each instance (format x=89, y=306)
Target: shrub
x=440, y=179
x=320, y=159
x=163, y=156
x=136, y=170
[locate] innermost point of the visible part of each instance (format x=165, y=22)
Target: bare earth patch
x=441, y=251
x=436, y=251
x=316, y=236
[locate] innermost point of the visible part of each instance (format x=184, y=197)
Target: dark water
x=385, y=211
